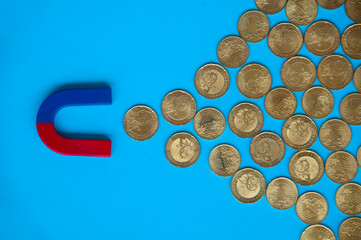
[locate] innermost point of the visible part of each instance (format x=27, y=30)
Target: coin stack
x=299, y=131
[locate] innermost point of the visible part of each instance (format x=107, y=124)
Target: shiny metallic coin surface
x=253, y=26
x=350, y=229
x=335, y=134
x=353, y=10
x=341, y=167
x=232, y=52
x=209, y=123
x=245, y=120
x=301, y=12
x=282, y=193
x=350, y=109
x=348, y=199
x=140, y=123
x=248, y=185
x=359, y=156
x=254, y=81
x=330, y=4
x=270, y=6
x=182, y=149
x=317, y=102
x=224, y=160
x=317, y=232
x=280, y=103
x=267, y=149
x=350, y=40
x=357, y=79
x=311, y=208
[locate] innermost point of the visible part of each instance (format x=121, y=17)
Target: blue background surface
x=143, y=50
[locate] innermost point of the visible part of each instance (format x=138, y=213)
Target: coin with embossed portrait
x=359, y=156
x=335, y=134
x=212, y=81
x=248, y=185
x=322, y=38
x=224, y=160
x=353, y=10
x=350, y=109
x=301, y=12
x=341, y=167
x=270, y=6
x=348, y=199
x=317, y=232
x=351, y=40
x=317, y=102
x=330, y=4
x=280, y=103
x=357, y=79
x=245, y=120
x=267, y=149
x=232, y=52
x=306, y=167
x=209, y=123
x=282, y=193
x=285, y=40
x=311, y=208
x=253, y=26
x=140, y=122
x=182, y=149
x=298, y=74
x=254, y=81
x=350, y=229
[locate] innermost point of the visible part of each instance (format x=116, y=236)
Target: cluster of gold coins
x=299, y=132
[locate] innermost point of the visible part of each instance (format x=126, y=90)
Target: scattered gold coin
x=245, y=120
x=224, y=160
x=348, y=199
x=306, y=167
x=211, y=81
x=350, y=109
x=282, y=193
x=350, y=229
x=330, y=4
x=209, y=123
x=350, y=40
x=353, y=10
x=359, y=156
x=317, y=102
x=301, y=12
x=254, y=81
x=140, y=122
x=341, y=167
x=280, y=103
x=335, y=134
x=357, y=79
x=182, y=149
x=270, y=6
x=232, y=52
x=317, y=232
x=267, y=149
x=248, y=185
x=311, y=208
x=298, y=74
x=253, y=26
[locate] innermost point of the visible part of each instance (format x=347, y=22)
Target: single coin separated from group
x=245, y=120
x=280, y=103
x=306, y=168
x=350, y=229
x=359, y=157
x=348, y=199
x=317, y=102
x=182, y=149
x=285, y=40
x=232, y=52
x=254, y=81
x=350, y=109
x=322, y=38
x=253, y=26
x=248, y=185
x=301, y=12
x=298, y=74
x=311, y=208
x=353, y=10
x=335, y=72
x=317, y=232
x=330, y=4
x=341, y=167
x=270, y=6
x=282, y=193
x=140, y=122
x=267, y=149
x=350, y=40
x=357, y=79
x=211, y=81
x=335, y=135
x=209, y=123
x=224, y=160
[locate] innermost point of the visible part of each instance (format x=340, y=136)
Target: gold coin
x=280, y=103
x=248, y=185
x=209, y=123
x=348, y=199
x=330, y=4
x=357, y=79
x=335, y=72
x=335, y=134
x=359, y=156
x=282, y=193
x=341, y=167
x=322, y=38
x=254, y=81
x=350, y=109
x=350, y=40
x=350, y=229
x=211, y=81
x=317, y=102
x=270, y=6
x=317, y=232
x=312, y=208
x=306, y=167
x=285, y=40
x=301, y=12
x=182, y=149
x=232, y=52
x=253, y=26
x=298, y=74
x=140, y=122
x=267, y=149
x=299, y=132
x=353, y=10
x=224, y=160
